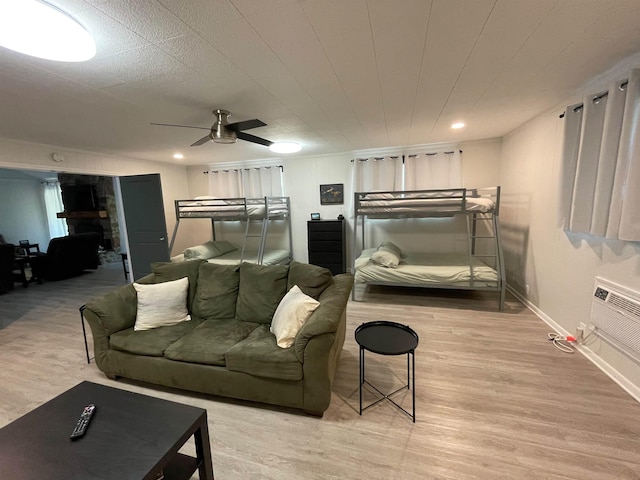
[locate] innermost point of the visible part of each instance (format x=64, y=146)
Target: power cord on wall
x=562, y=343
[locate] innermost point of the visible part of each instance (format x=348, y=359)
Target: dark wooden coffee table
x=131, y=436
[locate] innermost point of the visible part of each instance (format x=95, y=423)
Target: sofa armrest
x=327, y=317
x=112, y=312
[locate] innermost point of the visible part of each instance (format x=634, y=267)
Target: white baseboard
x=626, y=384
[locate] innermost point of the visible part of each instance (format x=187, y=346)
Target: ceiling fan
x=223, y=132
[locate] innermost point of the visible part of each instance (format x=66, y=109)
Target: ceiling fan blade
x=252, y=138
x=245, y=125
x=202, y=141
x=181, y=126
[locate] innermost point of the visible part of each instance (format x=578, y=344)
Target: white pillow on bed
x=205, y=251
x=394, y=248
x=386, y=257
x=222, y=246
x=209, y=201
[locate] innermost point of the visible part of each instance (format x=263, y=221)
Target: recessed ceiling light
x=457, y=125
x=41, y=30
x=178, y=156
x=285, y=147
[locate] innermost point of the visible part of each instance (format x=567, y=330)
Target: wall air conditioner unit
x=615, y=316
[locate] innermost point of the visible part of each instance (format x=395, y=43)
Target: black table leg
x=84, y=333
x=203, y=452
x=413, y=383
x=361, y=376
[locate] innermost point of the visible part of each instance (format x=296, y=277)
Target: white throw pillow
x=161, y=304
x=386, y=257
x=293, y=310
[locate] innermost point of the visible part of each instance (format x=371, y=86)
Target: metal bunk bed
x=483, y=267
x=253, y=211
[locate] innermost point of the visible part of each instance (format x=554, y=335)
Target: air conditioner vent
x=628, y=306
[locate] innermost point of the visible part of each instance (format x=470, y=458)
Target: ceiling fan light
x=224, y=140
x=285, y=147
x=40, y=30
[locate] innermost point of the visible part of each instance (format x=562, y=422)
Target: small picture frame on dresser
x=315, y=216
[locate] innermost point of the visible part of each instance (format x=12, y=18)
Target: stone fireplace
x=103, y=220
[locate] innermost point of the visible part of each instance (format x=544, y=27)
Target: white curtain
x=433, y=170
x=247, y=182
x=225, y=183
x=262, y=182
x=377, y=174
x=53, y=204
x=601, y=163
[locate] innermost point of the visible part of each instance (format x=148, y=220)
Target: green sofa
x=226, y=348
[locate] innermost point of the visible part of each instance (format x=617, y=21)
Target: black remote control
x=83, y=421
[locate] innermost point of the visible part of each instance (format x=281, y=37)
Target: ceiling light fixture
x=178, y=156
x=285, y=147
x=457, y=125
x=41, y=30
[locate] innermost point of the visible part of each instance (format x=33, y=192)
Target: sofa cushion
x=217, y=291
x=161, y=304
x=259, y=355
x=209, y=341
x=167, y=271
x=292, y=312
x=151, y=342
x=311, y=279
x=261, y=289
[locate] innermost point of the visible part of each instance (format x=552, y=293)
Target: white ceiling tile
x=334, y=75
x=454, y=28
x=399, y=36
x=147, y=18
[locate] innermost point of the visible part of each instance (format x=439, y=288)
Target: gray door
x=145, y=222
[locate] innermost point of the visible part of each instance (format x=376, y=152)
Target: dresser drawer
x=326, y=242
x=325, y=245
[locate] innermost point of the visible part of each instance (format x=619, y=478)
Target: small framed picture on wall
x=332, y=194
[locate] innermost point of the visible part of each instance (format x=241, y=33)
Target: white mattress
x=270, y=257
x=221, y=210
x=424, y=268
x=417, y=205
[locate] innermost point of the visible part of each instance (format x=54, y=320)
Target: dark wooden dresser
x=326, y=241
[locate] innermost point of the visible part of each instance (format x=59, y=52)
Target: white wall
x=23, y=214
x=558, y=267
x=32, y=156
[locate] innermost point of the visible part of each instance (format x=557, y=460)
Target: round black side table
x=388, y=338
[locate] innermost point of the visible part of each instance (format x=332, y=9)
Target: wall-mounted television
x=79, y=198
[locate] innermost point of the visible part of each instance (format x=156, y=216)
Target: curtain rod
x=245, y=169
x=413, y=155
x=596, y=99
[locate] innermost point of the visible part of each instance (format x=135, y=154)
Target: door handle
x=162, y=238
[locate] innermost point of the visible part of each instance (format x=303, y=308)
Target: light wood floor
x=495, y=400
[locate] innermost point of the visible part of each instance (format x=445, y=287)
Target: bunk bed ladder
x=264, y=226
x=490, y=233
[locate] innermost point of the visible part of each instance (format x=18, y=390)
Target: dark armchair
x=67, y=257
x=7, y=264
